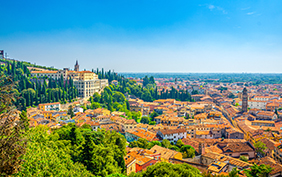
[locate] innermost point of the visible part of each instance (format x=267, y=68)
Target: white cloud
x=250, y=13
x=211, y=7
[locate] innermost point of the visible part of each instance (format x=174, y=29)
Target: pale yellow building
x=50, y=106
x=86, y=82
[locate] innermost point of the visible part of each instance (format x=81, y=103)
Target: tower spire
x=76, y=66
x=245, y=100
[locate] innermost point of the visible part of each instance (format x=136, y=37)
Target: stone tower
x=76, y=66
x=245, y=100
x=201, y=148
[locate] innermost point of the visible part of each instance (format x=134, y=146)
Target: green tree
x=153, y=143
x=117, y=143
x=234, y=173
x=174, y=147
x=145, y=81
x=95, y=105
x=276, y=112
x=136, y=115
x=48, y=156
x=165, y=143
x=70, y=111
x=12, y=141
x=195, y=92
x=168, y=169
x=145, y=120
x=260, y=147
x=141, y=143
x=179, y=143
x=87, y=152
x=24, y=120
x=258, y=171
x=231, y=95
x=119, y=97
x=188, y=151
x=116, y=175
x=127, y=105
x=86, y=126
x=96, y=97
x=153, y=115
x=243, y=158
x=146, y=96
x=103, y=162
x=151, y=80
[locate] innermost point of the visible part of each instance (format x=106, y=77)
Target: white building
x=255, y=104
x=266, y=98
x=172, y=135
x=77, y=109
x=50, y=106
x=86, y=82
x=94, y=125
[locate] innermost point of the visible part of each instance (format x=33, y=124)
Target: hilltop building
x=86, y=82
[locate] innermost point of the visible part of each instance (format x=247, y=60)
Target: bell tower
x=245, y=100
x=201, y=148
x=76, y=66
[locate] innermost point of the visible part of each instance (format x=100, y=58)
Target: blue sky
x=146, y=35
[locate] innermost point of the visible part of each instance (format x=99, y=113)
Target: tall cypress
x=49, y=82
x=31, y=99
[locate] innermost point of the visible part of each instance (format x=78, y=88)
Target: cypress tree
x=62, y=81
x=24, y=120
x=27, y=99
x=8, y=68
x=49, y=97
x=31, y=99
x=50, y=83
x=23, y=104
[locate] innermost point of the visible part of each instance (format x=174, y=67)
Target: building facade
x=172, y=135
x=50, y=106
x=86, y=82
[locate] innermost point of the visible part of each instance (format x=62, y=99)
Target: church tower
x=245, y=100
x=201, y=148
x=76, y=66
